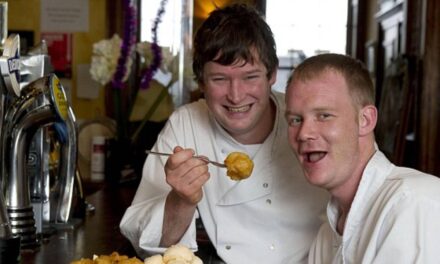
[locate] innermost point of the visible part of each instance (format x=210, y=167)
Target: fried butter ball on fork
x=239, y=166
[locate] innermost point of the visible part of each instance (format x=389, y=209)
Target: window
x=169, y=29
x=305, y=28
x=174, y=32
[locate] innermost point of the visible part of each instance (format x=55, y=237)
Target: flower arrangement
x=112, y=61
x=112, y=66
x=106, y=53
x=105, y=59
x=157, y=78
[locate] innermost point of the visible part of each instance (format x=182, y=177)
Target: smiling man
x=378, y=212
x=270, y=217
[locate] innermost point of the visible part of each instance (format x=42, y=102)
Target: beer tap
x=23, y=118
x=67, y=171
x=9, y=242
x=52, y=205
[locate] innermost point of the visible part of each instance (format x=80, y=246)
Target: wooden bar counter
x=98, y=233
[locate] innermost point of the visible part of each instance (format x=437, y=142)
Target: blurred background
x=398, y=40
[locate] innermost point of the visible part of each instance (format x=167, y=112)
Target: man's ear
x=367, y=120
x=201, y=86
x=273, y=77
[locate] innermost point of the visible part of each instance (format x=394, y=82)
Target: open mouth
x=314, y=156
x=240, y=109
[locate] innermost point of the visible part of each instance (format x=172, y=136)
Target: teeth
x=239, y=109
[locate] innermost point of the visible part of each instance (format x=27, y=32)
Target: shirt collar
x=373, y=177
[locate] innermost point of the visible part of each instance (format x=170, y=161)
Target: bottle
x=97, y=160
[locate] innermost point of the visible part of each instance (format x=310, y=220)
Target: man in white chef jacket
x=378, y=212
x=270, y=217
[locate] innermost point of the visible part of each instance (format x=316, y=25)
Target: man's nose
x=236, y=91
x=307, y=131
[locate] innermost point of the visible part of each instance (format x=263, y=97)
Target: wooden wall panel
x=430, y=96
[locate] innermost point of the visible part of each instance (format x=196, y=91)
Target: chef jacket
x=394, y=218
x=270, y=217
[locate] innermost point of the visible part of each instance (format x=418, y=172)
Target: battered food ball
x=239, y=166
x=156, y=259
x=176, y=254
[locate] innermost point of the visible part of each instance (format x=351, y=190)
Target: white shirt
x=394, y=218
x=271, y=217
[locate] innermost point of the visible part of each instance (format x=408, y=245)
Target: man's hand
x=186, y=175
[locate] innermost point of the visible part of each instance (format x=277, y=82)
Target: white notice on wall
x=64, y=15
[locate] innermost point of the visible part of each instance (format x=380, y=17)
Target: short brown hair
x=232, y=33
x=354, y=72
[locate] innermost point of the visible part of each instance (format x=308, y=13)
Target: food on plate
x=113, y=258
x=176, y=254
x=239, y=166
x=82, y=261
x=156, y=259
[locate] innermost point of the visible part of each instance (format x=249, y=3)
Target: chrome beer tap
x=52, y=197
x=33, y=66
x=63, y=191
x=9, y=242
x=9, y=87
x=23, y=119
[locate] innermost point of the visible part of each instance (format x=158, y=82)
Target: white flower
x=105, y=59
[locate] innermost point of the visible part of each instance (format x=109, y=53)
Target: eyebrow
x=289, y=113
x=253, y=71
x=318, y=109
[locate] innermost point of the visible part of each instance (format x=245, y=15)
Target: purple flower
x=148, y=73
x=128, y=41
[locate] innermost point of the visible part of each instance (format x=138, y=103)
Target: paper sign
x=65, y=15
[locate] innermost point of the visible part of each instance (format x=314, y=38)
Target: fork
x=205, y=159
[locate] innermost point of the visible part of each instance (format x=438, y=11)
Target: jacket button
x=228, y=247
